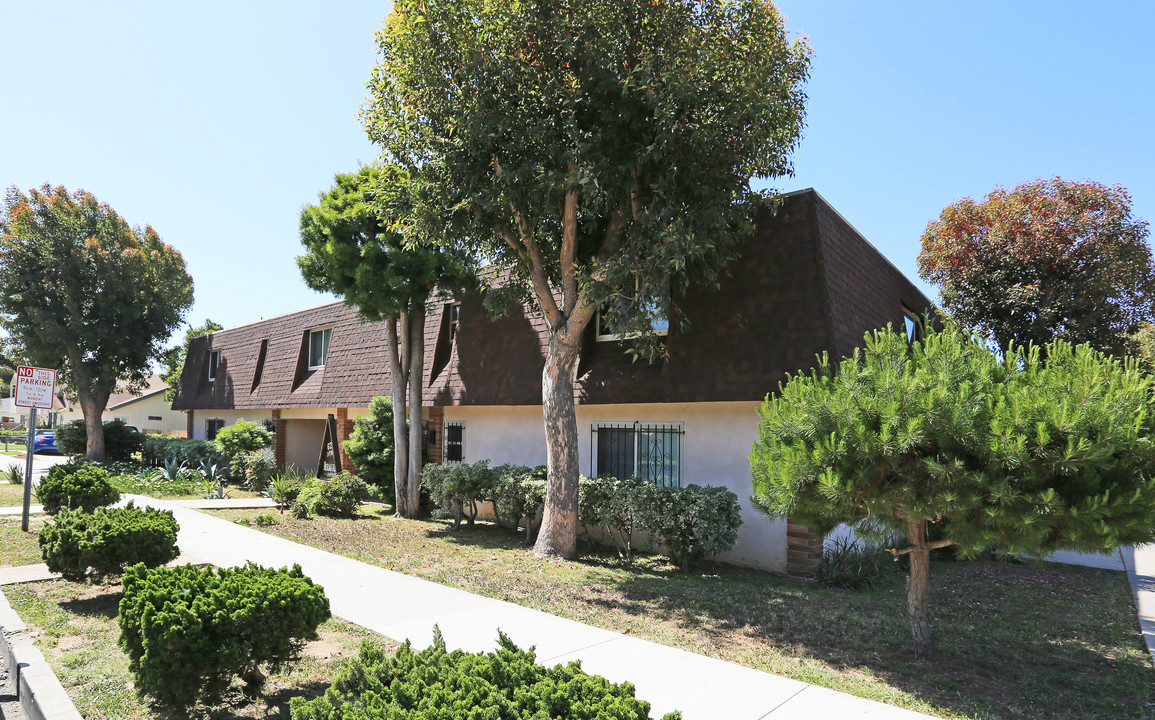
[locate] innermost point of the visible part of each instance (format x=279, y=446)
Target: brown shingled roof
x=806, y=282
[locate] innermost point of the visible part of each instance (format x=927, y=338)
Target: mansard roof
x=804, y=283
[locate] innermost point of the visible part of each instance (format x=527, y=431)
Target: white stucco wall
x=715, y=451
x=229, y=416
x=303, y=443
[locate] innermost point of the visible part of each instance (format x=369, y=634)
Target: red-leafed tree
x=1048, y=259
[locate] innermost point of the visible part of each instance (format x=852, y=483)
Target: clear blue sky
x=215, y=122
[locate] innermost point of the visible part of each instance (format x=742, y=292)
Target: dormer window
x=454, y=320
x=214, y=362
x=911, y=321
x=319, y=347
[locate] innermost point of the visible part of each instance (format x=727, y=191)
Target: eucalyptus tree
x=601, y=152
x=355, y=248
x=86, y=294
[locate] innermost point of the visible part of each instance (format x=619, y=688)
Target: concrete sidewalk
x=1140, y=564
x=406, y=608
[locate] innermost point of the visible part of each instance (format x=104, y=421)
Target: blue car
x=45, y=441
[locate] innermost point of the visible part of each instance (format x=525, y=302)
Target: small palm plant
x=14, y=474
x=214, y=489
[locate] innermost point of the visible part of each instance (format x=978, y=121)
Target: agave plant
x=210, y=470
x=214, y=489
x=172, y=471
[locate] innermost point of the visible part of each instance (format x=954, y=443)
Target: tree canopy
x=1012, y=453
x=86, y=294
x=1048, y=259
x=356, y=247
x=600, y=151
x=172, y=359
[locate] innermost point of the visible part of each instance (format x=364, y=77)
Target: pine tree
x=1009, y=453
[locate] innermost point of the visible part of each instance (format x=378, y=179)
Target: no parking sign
x=34, y=387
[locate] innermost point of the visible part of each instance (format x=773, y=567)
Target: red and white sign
x=34, y=387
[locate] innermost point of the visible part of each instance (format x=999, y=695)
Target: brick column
x=189, y=424
x=344, y=430
x=434, y=423
x=803, y=551
x=278, y=438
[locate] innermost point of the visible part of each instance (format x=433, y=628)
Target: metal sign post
x=33, y=388
x=29, y=449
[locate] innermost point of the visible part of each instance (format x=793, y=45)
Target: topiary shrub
x=120, y=441
x=238, y=439
x=370, y=446
x=433, y=683
x=619, y=506
x=104, y=542
x=76, y=487
x=188, y=631
x=693, y=521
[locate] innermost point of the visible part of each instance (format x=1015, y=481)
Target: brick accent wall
x=278, y=438
x=344, y=430
x=189, y=422
x=433, y=441
x=803, y=551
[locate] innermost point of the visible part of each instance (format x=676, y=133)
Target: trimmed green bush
x=457, y=489
x=619, y=506
x=259, y=468
x=159, y=449
x=370, y=446
x=433, y=684
x=188, y=631
x=76, y=486
x=120, y=441
x=238, y=440
x=693, y=522
x=104, y=542
x=518, y=493
x=341, y=494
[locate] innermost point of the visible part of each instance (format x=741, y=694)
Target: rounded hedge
x=104, y=542
x=76, y=486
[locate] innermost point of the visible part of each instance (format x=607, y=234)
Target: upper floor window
x=214, y=362
x=454, y=320
x=319, y=347
x=911, y=321
x=659, y=322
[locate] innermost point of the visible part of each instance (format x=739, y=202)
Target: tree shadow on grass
x=268, y=706
x=481, y=534
x=1010, y=643
x=104, y=605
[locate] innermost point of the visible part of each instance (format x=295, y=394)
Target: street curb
x=38, y=690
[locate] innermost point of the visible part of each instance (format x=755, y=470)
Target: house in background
x=804, y=283
x=148, y=412
x=12, y=416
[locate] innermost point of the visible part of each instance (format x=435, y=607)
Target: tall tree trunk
x=416, y=375
x=918, y=590
x=558, y=534
x=397, y=383
x=93, y=426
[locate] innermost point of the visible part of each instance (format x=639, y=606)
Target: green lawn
x=77, y=632
x=13, y=495
x=1015, y=641
x=16, y=546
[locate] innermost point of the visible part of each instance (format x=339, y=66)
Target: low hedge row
x=79, y=544
x=433, y=684
x=692, y=522
x=161, y=448
x=188, y=631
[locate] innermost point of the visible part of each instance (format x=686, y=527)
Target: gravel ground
x=9, y=707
